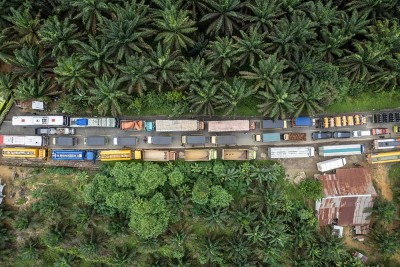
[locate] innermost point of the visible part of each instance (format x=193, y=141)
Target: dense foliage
x=203, y=56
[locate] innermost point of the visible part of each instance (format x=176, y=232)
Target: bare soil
x=380, y=174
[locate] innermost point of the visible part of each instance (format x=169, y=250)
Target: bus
x=383, y=157
x=341, y=150
x=387, y=143
x=20, y=152
x=290, y=152
x=40, y=120
x=114, y=155
x=21, y=140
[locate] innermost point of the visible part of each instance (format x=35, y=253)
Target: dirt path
x=380, y=174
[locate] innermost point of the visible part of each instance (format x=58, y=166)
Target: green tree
x=311, y=188
x=264, y=14
x=176, y=177
x=384, y=210
x=91, y=12
x=201, y=191
x=150, y=179
x=175, y=26
x=108, y=95
x=385, y=242
x=310, y=99
x=6, y=47
x=149, y=218
x=32, y=89
x=202, y=98
x=7, y=82
x=280, y=100
x=195, y=71
x=28, y=62
x=220, y=198
x=121, y=201
x=222, y=54
x=72, y=73
x=211, y=251
x=127, y=175
x=24, y=27
x=251, y=46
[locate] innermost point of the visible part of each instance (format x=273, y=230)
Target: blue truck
x=78, y=155
x=268, y=137
x=303, y=122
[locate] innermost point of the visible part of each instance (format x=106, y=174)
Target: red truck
x=379, y=131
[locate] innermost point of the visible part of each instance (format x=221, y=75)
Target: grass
x=366, y=102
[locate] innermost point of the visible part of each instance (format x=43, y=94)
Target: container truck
x=378, y=131
x=79, y=155
x=331, y=164
x=136, y=125
x=155, y=155
x=387, y=143
x=159, y=140
x=95, y=141
x=64, y=141
x=195, y=139
x=20, y=152
x=290, y=152
x=295, y=137
x=115, y=155
x=238, y=154
x=341, y=150
x=54, y=131
x=231, y=126
x=303, y=122
x=200, y=154
x=125, y=141
x=94, y=122
x=22, y=140
x=268, y=137
x=179, y=125
x=273, y=124
x=40, y=120
x=223, y=140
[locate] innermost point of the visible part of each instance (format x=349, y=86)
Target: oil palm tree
x=305, y=67
x=323, y=13
x=138, y=72
x=24, y=27
x=174, y=26
x=355, y=23
x=251, y=46
x=6, y=47
x=333, y=42
x=233, y=94
x=108, y=95
x=195, y=71
x=60, y=36
x=375, y=9
x=309, y=99
x=202, y=98
x=28, y=62
x=72, y=73
x=264, y=14
x=266, y=72
x=34, y=89
x=239, y=250
x=280, y=100
x=7, y=83
x=222, y=53
x=91, y=12
x=196, y=8
x=224, y=16
x=211, y=251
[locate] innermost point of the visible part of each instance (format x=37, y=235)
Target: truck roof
x=158, y=155
x=303, y=121
x=229, y=126
x=226, y=139
x=125, y=141
x=238, y=154
x=200, y=154
x=161, y=140
x=64, y=141
x=95, y=141
x=272, y=124
x=290, y=152
x=331, y=164
x=271, y=137
x=177, y=125
x=135, y=125
x=195, y=139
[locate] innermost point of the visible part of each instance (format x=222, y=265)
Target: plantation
x=275, y=58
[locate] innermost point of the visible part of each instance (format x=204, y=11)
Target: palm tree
x=239, y=250
x=60, y=36
x=28, y=62
x=355, y=24
x=309, y=99
x=232, y=94
x=251, y=46
x=211, y=251
x=385, y=242
x=202, y=97
x=72, y=73
x=174, y=25
x=305, y=67
x=138, y=72
x=195, y=71
x=24, y=27
x=34, y=89
x=333, y=41
x=266, y=72
x=280, y=100
x=108, y=95
x=6, y=46
x=375, y=9
x=7, y=82
x=224, y=16
x=324, y=14
x=96, y=54
x=264, y=15
x=195, y=7
x=221, y=53
x=91, y=12
x=384, y=210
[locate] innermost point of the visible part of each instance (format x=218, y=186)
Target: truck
x=179, y=125
x=361, y=133
x=115, y=155
x=194, y=139
x=21, y=152
x=267, y=137
x=125, y=141
x=21, y=140
x=295, y=136
x=78, y=155
x=155, y=155
x=379, y=131
x=136, y=125
x=238, y=154
x=290, y=152
x=303, y=122
x=387, y=143
x=341, y=150
x=54, y=131
x=273, y=124
x=94, y=122
x=223, y=140
x=200, y=154
x=40, y=120
x=331, y=164
x=65, y=141
x=231, y=126
x=95, y=141
x=159, y=140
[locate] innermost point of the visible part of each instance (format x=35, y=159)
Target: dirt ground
x=380, y=174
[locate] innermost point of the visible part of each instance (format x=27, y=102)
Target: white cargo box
x=331, y=164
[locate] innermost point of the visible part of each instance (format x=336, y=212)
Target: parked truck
x=290, y=152
x=155, y=155
x=64, y=141
x=273, y=124
x=125, y=141
x=223, y=140
x=238, y=154
x=231, y=126
x=303, y=122
x=95, y=141
x=179, y=125
x=94, y=122
x=195, y=139
x=387, y=143
x=115, y=155
x=136, y=125
x=159, y=140
x=295, y=137
x=54, y=131
x=21, y=140
x=73, y=155
x=331, y=164
x=379, y=131
x=200, y=154
x=268, y=137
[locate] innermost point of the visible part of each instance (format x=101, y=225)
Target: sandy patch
x=380, y=174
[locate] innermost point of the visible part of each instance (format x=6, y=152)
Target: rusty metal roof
x=347, y=194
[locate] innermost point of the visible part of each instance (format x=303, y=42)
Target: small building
x=362, y=257
x=337, y=231
x=348, y=197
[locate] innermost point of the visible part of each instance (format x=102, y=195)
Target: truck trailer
x=303, y=122
x=21, y=152
x=94, y=122
x=115, y=155
x=341, y=150
x=295, y=137
x=273, y=124
x=54, y=131
x=331, y=164
x=290, y=152
x=95, y=141
x=125, y=141
x=78, y=155
x=223, y=140
x=159, y=140
x=200, y=154
x=195, y=139
x=65, y=141
x=156, y=155
x=268, y=137
x=21, y=140
x=40, y=120
x=231, y=126
x=238, y=154
x=136, y=125
x=387, y=143
x=179, y=125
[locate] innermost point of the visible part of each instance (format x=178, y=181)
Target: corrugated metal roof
x=347, y=194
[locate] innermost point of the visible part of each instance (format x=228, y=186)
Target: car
x=321, y=135
x=341, y=135
x=378, y=131
x=361, y=133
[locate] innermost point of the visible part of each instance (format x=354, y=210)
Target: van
x=64, y=141
x=361, y=133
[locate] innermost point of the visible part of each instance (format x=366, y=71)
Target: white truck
x=21, y=140
x=54, y=131
x=290, y=152
x=179, y=125
x=331, y=164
